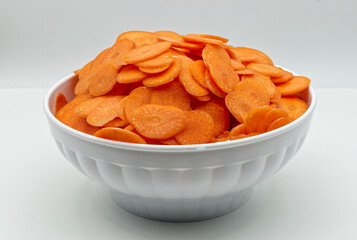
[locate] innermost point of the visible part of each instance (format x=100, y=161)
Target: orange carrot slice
x=294, y=106
x=203, y=98
x=245, y=72
x=197, y=39
x=182, y=45
x=121, y=108
x=240, y=103
x=71, y=106
x=86, y=107
x=219, y=51
x=103, y=80
x=270, y=117
x=164, y=77
x=198, y=71
x=137, y=98
x=254, y=88
x=118, y=134
x=84, y=79
x=130, y=74
x=266, y=69
x=254, y=117
x=169, y=35
x=267, y=83
x=113, y=57
x=116, y=122
x=280, y=122
x=237, y=65
x=105, y=111
x=139, y=37
x=212, y=86
x=155, y=70
x=158, y=122
x=145, y=52
x=283, y=78
x=294, y=85
x=156, y=62
x=171, y=94
x=199, y=129
x=170, y=141
x=186, y=79
x=222, y=39
x=60, y=102
x=238, y=130
x=219, y=114
x=261, y=57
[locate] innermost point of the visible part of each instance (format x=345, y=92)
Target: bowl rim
x=172, y=148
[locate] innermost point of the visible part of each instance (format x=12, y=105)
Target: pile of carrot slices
x=166, y=88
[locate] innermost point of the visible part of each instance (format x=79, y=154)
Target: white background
x=42, y=41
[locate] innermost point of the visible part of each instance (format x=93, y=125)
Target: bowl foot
x=182, y=210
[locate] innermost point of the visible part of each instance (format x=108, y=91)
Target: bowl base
x=182, y=210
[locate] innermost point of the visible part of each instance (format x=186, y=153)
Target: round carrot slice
x=183, y=45
x=212, y=86
x=137, y=98
x=240, y=103
x=238, y=130
x=197, y=39
x=60, y=102
x=169, y=35
x=283, y=78
x=219, y=51
x=186, y=79
x=222, y=39
x=274, y=92
x=121, y=108
x=84, y=79
x=103, y=80
x=115, y=53
x=237, y=65
x=171, y=94
x=222, y=73
x=255, y=89
x=170, y=141
x=104, y=112
x=158, y=122
x=199, y=129
x=204, y=98
x=198, y=71
x=118, y=134
x=116, y=122
x=259, y=57
x=266, y=69
x=130, y=74
x=86, y=107
x=219, y=114
x=294, y=85
x=145, y=52
x=139, y=37
x=254, y=117
x=270, y=117
x=156, y=62
x=278, y=123
x=164, y=77
x=294, y=106
x=156, y=69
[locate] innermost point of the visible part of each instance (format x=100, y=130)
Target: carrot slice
x=240, y=103
x=233, y=54
x=145, y=52
x=270, y=117
x=261, y=57
x=203, y=98
x=237, y=65
x=197, y=39
x=139, y=37
x=60, y=102
x=183, y=45
x=199, y=129
x=188, y=82
x=170, y=141
x=71, y=106
x=156, y=69
x=130, y=74
x=254, y=88
x=266, y=69
x=118, y=89
x=294, y=106
x=283, y=78
x=222, y=73
x=219, y=51
x=118, y=134
x=116, y=122
x=267, y=83
x=246, y=56
x=212, y=86
x=198, y=71
x=84, y=79
x=115, y=53
x=137, y=98
x=169, y=35
x=171, y=94
x=294, y=85
x=158, y=122
x=164, y=77
x=86, y=107
x=219, y=114
x=238, y=130
x=280, y=122
x=222, y=39
x=156, y=62
x=245, y=72
x=103, y=80
x=121, y=108
x=104, y=112
x=254, y=117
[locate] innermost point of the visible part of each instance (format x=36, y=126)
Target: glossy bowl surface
x=178, y=183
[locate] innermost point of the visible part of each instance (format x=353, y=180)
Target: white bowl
x=178, y=183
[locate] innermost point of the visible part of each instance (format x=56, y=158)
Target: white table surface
x=43, y=197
